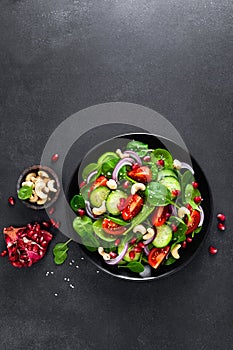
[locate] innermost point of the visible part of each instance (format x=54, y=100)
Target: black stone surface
x=57, y=57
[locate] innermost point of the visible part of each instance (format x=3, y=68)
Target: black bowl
x=177, y=152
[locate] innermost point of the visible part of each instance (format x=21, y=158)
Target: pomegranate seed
x=46, y=224
x=141, y=245
x=133, y=240
x=160, y=162
x=57, y=224
x=51, y=211
x=195, y=184
x=82, y=184
x=189, y=239
x=131, y=255
x=35, y=248
x=146, y=159
x=43, y=244
x=117, y=242
x=126, y=184
x=54, y=157
x=81, y=212
x=135, y=166
x=189, y=207
x=174, y=228
x=221, y=217
x=34, y=236
x=29, y=226
x=168, y=215
x=11, y=201
x=113, y=255
x=213, y=250
x=137, y=249
x=175, y=193
x=37, y=229
x=53, y=222
x=197, y=199
x=184, y=244
x=221, y=226
x=3, y=253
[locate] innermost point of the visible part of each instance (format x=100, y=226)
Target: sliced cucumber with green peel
x=163, y=236
x=113, y=200
x=98, y=195
x=171, y=183
x=126, y=257
x=166, y=173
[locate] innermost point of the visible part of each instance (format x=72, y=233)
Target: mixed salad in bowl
x=137, y=207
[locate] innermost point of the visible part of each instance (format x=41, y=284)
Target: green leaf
x=60, y=252
x=89, y=169
x=77, y=202
x=139, y=147
x=186, y=178
x=144, y=213
x=108, y=167
x=163, y=154
x=154, y=171
x=25, y=192
x=158, y=194
x=134, y=266
x=84, y=190
x=83, y=225
x=106, y=157
x=170, y=261
x=97, y=227
x=198, y=229
x=178, y=236
x=117, y=220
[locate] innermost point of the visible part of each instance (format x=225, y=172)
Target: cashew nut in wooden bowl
x=43, y=186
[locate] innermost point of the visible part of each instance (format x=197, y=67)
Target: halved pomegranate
x=26, y=245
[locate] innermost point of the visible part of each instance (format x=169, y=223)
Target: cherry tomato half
x=112, y=228
x=157, y=255
x=141, y=174
x=193, y=222
x=159, y=216
x=100, y=181
x=133, y=205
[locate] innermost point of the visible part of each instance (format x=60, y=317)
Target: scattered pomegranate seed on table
x=46, y=224
x=54, y=157
x=11, y=201
x=221, y=217
x=3, y=253
x=213, y=250
x=51, y=210
x=221, y=226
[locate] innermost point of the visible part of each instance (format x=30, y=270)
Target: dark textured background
x=57, y=57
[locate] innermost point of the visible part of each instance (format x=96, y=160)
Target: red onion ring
x=90, y=175
x=146, y=250
x=187, y=166
x=119, y=257
x=202, y=216
x=135, y=156
x=173, y=210
x=89, y=211
x=120, y=164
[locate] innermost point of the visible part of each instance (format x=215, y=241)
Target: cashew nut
x=100, y=210
x=46, y=190
x=27, y=183
x=41, y=201
x=34, y=198
x=139, y=228
x=39, y=186
x=111, y=184
x=136, y=187
x=177, y=164
x=174, y=251
x=182, y=211
x=50, y=186
x=42, y=173
x=120, y=154
x=30, y=176
x=150, y=233
x=105, y=256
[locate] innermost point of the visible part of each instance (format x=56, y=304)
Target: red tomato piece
x=193, y=222
x=157, y=255
x=159, y=216
x=112, y=228
x=133, y=205
x=141, y=174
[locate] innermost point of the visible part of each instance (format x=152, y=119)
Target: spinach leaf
x=158, y=194
x=123, y=173
x=88, y=169
x=163, y=154
x=117, y=220
x=144, y=213
x=106, y=157
x=108, y=167
x=77, y=202
x=179, y=235
x=198, y=229
x=97, y=227
x=186, y=178
x=83, y=225
x=25, y=192
x=60, y=252
x=139, y=147
x=154, y=170
x=189, y=194
x=170, y=261
x=134, y=266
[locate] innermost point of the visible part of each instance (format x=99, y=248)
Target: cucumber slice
x=163, y=236
x=166, y=173
x=126, y=257
x=98, y=195
x=113, y=201
x=97, y=227
x=171, y=183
